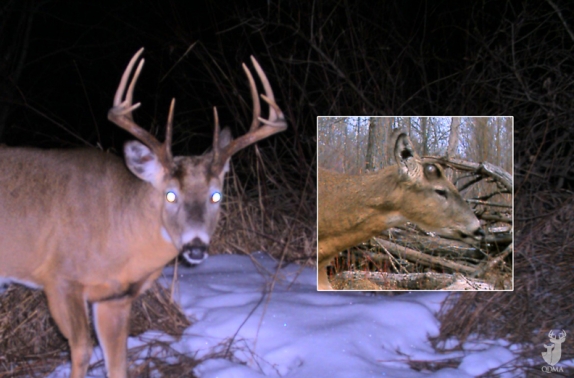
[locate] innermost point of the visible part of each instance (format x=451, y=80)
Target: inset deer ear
x=406, y=157
x=224, y=139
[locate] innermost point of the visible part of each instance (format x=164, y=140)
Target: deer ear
x=143, y=163
x=224, y=139
x=406, y=157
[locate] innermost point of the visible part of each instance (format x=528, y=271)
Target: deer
x=92, y=230
x=554, y=350
x=355, y=208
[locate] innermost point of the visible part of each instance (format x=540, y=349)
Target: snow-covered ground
x=287, y=329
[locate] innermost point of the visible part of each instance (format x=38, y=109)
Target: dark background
x=61, y=62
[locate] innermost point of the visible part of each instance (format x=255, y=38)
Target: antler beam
x=121, y=114
x=260, y=127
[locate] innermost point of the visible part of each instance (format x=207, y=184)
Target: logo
x=553, y=351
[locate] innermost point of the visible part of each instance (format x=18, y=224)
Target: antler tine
x=254, y=97
x=215, y=135
x=274, y=110
x=122, y=87
x=121, y=114
x=260, y=128
x=169, y=131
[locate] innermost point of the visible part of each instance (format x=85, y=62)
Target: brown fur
x=87, y=229
x=353, y=209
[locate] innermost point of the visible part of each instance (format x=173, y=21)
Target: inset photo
x=415, y=203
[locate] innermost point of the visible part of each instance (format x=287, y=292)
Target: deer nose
x=479, y=233
x=195, y=252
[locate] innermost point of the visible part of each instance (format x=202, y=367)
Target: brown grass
x=544, y=279
x=273, y=217
x=32, y=345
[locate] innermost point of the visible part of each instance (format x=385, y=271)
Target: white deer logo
x=554, y=351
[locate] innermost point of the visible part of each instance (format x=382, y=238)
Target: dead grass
x=32, y=345
x=544, y=279
x=271, y=219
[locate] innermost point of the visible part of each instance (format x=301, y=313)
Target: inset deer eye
x=215, y=197
x=431, y=172
x=442, y=193
x=170, y=196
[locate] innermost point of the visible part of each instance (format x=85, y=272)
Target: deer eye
x=170, y=196
x=431, y=172
x=441, y=192
x=215, y=197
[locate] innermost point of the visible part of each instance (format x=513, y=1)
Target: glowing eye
x=215, y=197
x=170, y=196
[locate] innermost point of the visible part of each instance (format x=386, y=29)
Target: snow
x=285, y=328
x=480, y=362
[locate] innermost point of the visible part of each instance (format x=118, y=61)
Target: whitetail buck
x=352, y=209
x=88, y=230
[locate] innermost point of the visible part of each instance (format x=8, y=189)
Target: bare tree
x=452, y=150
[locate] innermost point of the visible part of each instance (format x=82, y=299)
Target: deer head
x=192, y=185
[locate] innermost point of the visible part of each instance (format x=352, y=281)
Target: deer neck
x=142, y=226
x=362, y=206
x=376, y=206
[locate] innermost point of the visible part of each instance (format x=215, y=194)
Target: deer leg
x=323, y=280
x=111, y=319
x=69, y=310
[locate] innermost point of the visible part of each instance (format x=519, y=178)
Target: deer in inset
x=352, y=209
x=88, y=229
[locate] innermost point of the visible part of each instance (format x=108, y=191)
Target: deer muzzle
x=194, y=252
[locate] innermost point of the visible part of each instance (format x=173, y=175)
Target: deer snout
x=194, y=252
x=479, y=233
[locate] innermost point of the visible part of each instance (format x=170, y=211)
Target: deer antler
x=121, y=114
x=260, y=128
